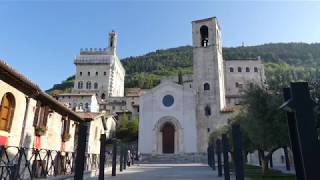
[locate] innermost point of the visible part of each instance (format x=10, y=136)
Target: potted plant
x=66, y=137
x=40, y=130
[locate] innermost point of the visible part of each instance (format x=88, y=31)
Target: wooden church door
x=168, y=138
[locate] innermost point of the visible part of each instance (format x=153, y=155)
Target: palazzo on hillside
x=178, y=118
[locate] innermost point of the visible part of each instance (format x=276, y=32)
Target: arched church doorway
x=168, y=132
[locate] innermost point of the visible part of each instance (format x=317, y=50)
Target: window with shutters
x=7, y=108
x=88, y=85
x=65, y=129
x=41, y=115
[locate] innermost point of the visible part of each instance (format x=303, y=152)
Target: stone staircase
x=173, y=158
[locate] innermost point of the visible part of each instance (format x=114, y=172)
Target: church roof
x=167, y=83
x=206, y=19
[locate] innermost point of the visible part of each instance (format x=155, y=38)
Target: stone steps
x=174, y=158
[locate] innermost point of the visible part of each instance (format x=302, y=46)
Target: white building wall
x=50, y=140
x=152, y=110
x=14, y=134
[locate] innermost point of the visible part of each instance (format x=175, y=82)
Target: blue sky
x=41, y=38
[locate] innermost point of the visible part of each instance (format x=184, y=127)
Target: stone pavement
x=166, y=171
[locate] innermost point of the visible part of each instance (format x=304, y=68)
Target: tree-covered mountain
x=284, y=61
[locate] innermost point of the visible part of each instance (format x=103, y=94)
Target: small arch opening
x=103, y=96
x=207, y=111
x=204, y=32
x=206, y=87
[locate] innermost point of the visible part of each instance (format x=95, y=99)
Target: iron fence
x=29, y=163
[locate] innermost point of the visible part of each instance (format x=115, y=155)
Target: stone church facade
x=178, y=118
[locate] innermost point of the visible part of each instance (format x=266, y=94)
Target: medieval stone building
x=178, y=118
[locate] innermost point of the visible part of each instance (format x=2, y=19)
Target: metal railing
x=30, y=163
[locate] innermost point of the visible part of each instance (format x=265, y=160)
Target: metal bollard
x=114, y=158
x=238, y=157
x=209, y=155
x=103, y=140
x=218, y=150
x=213, y=163
x=225, y=147
x=121, y=157
x=125, y=157
x=81, y=150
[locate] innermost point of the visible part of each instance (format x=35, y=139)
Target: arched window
x=239, y=69
x=80, y=106
x=247, y=69
x=80, y=85
x=103, y=96
x=95, y=85
x=88, y=85
x=204, y=36
x=7, y=111
x=207, y=111
x=255, y=69
x=231, y=69
x=206, y=86
x=97, y=73
x=88, y=73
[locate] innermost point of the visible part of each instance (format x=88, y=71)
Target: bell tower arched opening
x=204, y=36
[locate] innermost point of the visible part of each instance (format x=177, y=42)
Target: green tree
x=122, y=127
x=133, y=128
x=126, y=130
x=264, y=123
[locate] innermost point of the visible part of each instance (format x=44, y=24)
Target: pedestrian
x=129, y=158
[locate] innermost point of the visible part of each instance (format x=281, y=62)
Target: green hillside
x=283, y=61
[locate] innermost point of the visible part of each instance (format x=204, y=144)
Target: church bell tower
x=208, y=77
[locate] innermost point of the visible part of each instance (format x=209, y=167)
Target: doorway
x=168, y=132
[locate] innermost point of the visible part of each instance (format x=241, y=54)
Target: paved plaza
x=165, y=172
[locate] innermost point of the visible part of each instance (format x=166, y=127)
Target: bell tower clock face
x=167, y=100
